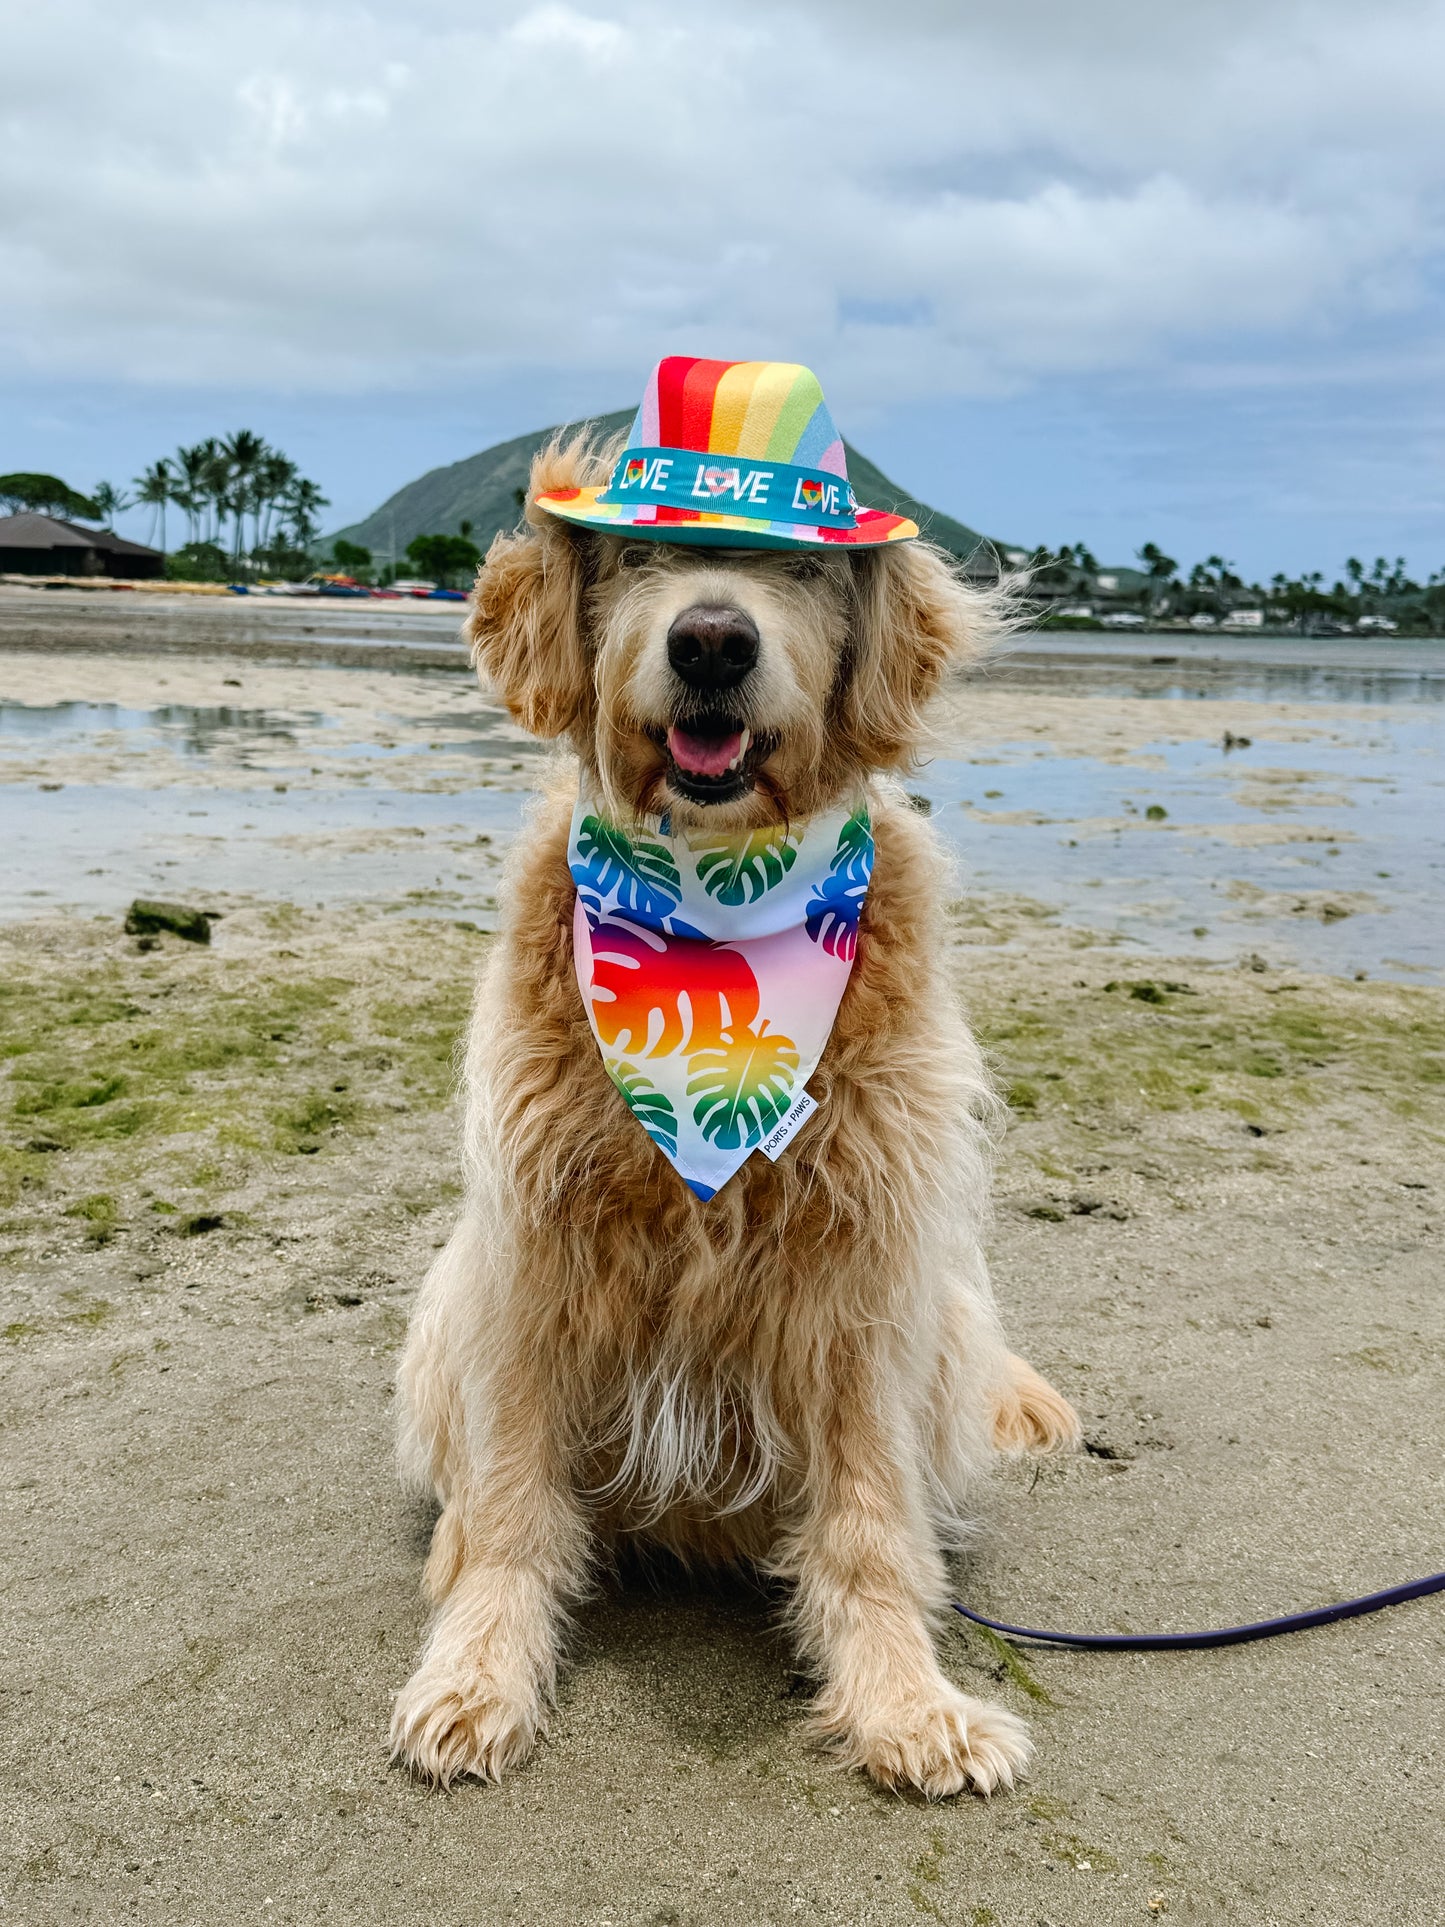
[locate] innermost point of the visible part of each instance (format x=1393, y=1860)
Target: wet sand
x=225, y=1170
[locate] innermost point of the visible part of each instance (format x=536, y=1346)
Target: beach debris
x=1156, y=813
x=1082, y=1205
x=1146, y=991
x=148, y=917
x=923, y=804
x=1254, y=962
x=1231, y=741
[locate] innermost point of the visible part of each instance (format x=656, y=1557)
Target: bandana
x=711, y=967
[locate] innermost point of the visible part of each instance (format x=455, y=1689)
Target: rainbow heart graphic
x=718, y=480
x=634, y=472
x=812, y=493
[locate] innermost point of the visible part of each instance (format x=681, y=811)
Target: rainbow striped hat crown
x=739, y=454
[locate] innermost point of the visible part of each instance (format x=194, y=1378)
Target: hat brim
x=661, y=523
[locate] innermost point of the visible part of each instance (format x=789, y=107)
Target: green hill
x=483, y=490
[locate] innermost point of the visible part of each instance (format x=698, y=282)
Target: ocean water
x=1329, y=853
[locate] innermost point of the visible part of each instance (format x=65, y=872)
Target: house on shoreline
x=33, y=544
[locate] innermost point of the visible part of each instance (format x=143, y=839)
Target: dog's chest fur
x=693, y=1323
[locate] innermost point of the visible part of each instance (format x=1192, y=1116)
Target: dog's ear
x=527, y=620
x=913, y=617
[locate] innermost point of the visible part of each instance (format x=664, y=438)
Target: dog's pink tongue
x=703, y=755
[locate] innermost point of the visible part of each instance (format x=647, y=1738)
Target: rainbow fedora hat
x=732, y=454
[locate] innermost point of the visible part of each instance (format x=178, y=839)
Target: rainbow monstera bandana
x=711, y=967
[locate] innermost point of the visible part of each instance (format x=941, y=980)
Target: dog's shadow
x=700, y=1654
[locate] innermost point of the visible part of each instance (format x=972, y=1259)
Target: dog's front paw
x=448, y=1723
x=940, y=1745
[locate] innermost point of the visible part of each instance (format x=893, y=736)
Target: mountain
x=484, y=490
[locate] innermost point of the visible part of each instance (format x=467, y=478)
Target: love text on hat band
x=727, y=485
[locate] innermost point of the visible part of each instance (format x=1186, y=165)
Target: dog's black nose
x=712, y=647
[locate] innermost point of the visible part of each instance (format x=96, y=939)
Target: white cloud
x=945, y=199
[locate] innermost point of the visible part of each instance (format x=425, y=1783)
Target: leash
x=1372, y=1602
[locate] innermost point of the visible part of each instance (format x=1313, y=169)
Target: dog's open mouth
x=712, y=759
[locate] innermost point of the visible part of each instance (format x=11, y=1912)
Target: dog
x=806, y=1374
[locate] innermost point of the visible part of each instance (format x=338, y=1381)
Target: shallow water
x=1359, y=885
x=1323, y=845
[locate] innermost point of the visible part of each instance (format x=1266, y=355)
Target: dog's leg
x=1030, y=1416
x=516, y=1549
x=869, y=1576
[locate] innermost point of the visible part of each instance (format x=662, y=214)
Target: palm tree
x=110, y=501
x=214, y=487
x=153, y=488
x=274, y=475
x=189, y=492
x=303, y=501
x=1161, y=570
x=243, y=451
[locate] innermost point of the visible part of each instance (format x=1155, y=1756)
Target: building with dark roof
x=32, y=544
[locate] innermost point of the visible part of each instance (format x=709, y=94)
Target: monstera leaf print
x=832, y=920
x=853, y=857
x=640, y=872
x=652, y=1108
x=650, y=1002
x=742, y=1089
x=837, y=903
x=740, y=869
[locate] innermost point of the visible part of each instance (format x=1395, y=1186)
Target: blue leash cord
x=1224, y=1635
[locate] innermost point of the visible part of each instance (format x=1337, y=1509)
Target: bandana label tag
x=776, y=1142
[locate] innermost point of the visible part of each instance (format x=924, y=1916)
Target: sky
x=1110, y=274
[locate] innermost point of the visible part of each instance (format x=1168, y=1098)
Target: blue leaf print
x=833, y=912
x=637, y=873
x=854, y=855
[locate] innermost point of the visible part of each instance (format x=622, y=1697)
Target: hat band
x=727, y=485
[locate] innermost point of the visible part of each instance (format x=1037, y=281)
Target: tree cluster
x=46, y=495
x=246, y=505
x=448, y=560
x=1383, y=596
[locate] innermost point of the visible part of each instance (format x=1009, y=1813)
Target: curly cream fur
x=808, y=1372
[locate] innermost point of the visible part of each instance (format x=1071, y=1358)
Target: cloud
x=926, y=201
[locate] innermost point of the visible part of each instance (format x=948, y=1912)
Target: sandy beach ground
x=225, y=1170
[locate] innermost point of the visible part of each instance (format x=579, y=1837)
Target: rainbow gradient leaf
x=652, y=1108
x=700, y=993
x=853, y=858
x=740, y=869
x=744, y=1089
x=640, y=872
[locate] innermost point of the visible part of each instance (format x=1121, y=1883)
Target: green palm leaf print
x=652, y=1108
x=740, y=869
x=745, y=1088
x=641, y=873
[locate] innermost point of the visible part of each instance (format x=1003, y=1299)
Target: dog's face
x=715, y=672
x=733, y=687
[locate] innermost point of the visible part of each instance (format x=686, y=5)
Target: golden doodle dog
x=805, y=1371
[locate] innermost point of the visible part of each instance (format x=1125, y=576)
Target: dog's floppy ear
x=913, y=617
x=527, y=619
